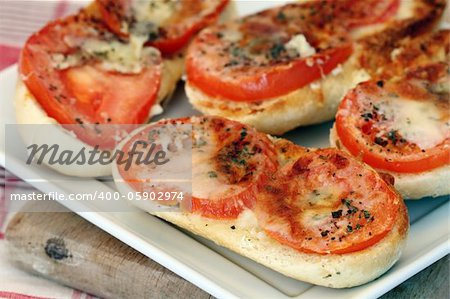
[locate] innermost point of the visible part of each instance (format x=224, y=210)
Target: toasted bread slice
x=396, y=52
x=248, y=236
x=244, y=236
x=318, y=101
x=28, y=110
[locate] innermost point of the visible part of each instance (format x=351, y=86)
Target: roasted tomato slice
x=80, y=73
x=327, y=202
x=230, y=163
x=356, y=13
x=268, y=54
x=398, y=126
x=169, y=25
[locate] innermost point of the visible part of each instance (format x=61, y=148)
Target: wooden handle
x=68, y=249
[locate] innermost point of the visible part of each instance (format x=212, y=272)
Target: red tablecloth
x=18, y=20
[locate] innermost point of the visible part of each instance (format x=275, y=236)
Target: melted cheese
x=247, y=219
x=233, y=36
x=205, y=181
x=155, y=11
x=113, y=55
x=418, y=122
x=359, y=76
x=299, y=44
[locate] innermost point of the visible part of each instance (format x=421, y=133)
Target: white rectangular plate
x=219, y=271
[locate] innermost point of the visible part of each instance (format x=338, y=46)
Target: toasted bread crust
x=332, y=270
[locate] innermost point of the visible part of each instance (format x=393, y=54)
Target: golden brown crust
x=331, y=270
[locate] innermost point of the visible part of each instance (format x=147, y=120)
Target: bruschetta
x=168, y=25
x=401, y=128
x=317, y=215
x=290, y=66
x=399, y=124
x=79, y=75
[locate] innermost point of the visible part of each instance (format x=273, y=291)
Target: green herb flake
x=367, y=116
x=392, y=136
x=152, y=36
x=276, y=50
x=281, y=16
x=336, y=214
x=243, y=134
x=236, y=51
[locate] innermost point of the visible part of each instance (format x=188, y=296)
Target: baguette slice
x=403, y=59
x=246, y=236
x=317, y=102
x=28, y=111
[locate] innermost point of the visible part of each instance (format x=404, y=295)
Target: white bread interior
x=432, y=183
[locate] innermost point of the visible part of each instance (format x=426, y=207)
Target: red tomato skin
x=168, y=46
x=38, y=79
x=171, y=46
x=432, y=159
x=275, y=83
x=276, y=208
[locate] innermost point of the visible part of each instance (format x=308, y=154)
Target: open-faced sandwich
x=401, y=125
x=168, y=25
x=317, y=215
x=290, y=66
x=95, y=70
